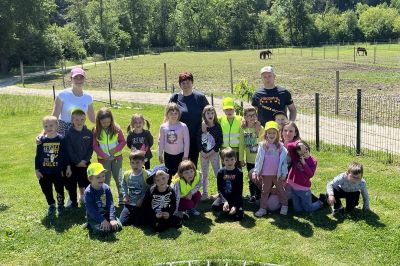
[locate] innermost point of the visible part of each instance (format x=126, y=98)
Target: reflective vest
x=231, y=131
x=106, y=143
x=184, y=187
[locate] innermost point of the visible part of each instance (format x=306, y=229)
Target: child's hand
x=105, y=226
x=81, y=164
x=37, y=139
x=254, y=176
x=68, y=173
x=302, y=161
x=232, y=211
x=159, y=215
x=38, y=174
x=161, y=159
x=331, y=200
x=203, y=127
x=126, y=200
x=243, y=163
x=225, y=208
x=165, y=215
x=112, y=151
x=139, y=202
x=114, y=224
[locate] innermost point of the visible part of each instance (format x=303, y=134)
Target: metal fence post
x=337, y=93
x=230, y=68
x=109, y=67
x=212, y=99
x=54, y=92
x=358, y=140
x=317, y=144
x=165, y=75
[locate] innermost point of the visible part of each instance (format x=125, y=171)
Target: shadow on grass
x=3, y=207
x=170, y=233
x=289, y=222
x=70, y=217
x=358, y=215
x=110, y=238
x=321, y=219
x=199, y=224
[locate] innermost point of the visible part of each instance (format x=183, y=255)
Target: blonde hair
x=208, y=108
x=276, y=141
x=50, y=118
x=137, y=116
x=185, y=165
x=355, y=168
x=171, y=107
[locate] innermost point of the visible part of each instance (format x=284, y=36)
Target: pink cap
x=77, y=71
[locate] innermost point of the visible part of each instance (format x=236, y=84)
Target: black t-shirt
x=142, y=141
x=191, y=108
x=270, y=101
x=230, y=185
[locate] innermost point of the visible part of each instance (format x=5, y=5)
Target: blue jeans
x=302, y=201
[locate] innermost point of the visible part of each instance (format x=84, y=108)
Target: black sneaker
x=60, y=210
x=252, y=199
x=185, y=216
x=52, y=210
x=324, y=199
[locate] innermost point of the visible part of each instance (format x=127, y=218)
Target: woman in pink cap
x=72, y=98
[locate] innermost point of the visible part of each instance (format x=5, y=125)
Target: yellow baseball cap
x=228, y=103
x=271, y=124
x=95, y=169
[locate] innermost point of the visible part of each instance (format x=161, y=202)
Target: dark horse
x=266, y=53
x=361, y=50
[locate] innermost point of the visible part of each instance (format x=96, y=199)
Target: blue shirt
x=99, y=204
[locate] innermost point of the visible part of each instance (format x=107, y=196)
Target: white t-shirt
x=70, y=102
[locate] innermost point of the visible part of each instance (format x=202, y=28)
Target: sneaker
x=261, y=212
x=52, y=210
x=252, y=199
x=194, y=212
x=204, y=196
x=284, y=210
x=60, y=210
x=185, y=215
x=72, y=205
x=69, y=202
x=324, y=199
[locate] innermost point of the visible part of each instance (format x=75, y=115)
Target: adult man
x=272, y=98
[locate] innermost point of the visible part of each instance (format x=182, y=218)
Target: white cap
x=268, y=69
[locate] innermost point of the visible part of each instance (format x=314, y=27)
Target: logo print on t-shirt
x=172, y=137
x=207, y=141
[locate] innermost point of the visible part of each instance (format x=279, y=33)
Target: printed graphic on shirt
x=207, y=141
x=51, y=150
x=172, y=137
x=272, y=152
x=101, y=203
x=135, y=191
x=250, y=141
x=137, y=140
x=270, y=103
x=160, y=202
x=228, y=186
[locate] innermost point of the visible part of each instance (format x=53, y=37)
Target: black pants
x=78, y=177
x=172, y=163
x=162, y=224
x=253, y=189
x=46, y=183
x=132, y=215
x=351, y=199
x=194, y=151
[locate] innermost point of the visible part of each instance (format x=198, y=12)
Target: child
x=230, y=186
x=270, y=168
x=348, y=185
x=302, y=170
x=230, y=124
x=173, y=141
x=186, y=184
x=134, y=186
x=210, y=142
x=290, y=133
x=250, y=133
x=108, y=142
x=280, y=118
x=50, y=161
x=100, y=210
x=139, y=138
x=159, y=204
x=80, y=148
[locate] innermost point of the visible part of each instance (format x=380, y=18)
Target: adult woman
x=191, y=104
x=72, y=98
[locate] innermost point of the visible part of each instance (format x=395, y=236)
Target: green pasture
x=27, y=237
x=303, y=70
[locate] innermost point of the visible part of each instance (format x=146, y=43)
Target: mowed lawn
x=27, y=237
x=302, y=70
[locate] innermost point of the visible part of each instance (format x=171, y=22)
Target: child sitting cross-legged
x=186, y=184
x=100, y=210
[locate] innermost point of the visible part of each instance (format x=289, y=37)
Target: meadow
x=304, y=71
x=28, y=237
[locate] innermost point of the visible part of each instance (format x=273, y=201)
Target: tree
x=163, y=26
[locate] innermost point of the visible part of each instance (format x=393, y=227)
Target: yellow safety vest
x=231, y=131
x=185, y=187
x=106, y=143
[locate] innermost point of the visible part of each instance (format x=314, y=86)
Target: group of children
x=278, y=162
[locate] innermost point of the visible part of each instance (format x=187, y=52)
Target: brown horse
x=266, y=53
x=362, y=50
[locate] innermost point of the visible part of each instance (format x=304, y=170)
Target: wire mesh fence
x=361, y=125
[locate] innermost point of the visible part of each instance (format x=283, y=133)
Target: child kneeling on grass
x=230, y=186
x=348, y=185
x=186, y=184
x=159, y=204
x=100, y=210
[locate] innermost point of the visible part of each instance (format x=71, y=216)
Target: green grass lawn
x=303, y=70
x=27, y=237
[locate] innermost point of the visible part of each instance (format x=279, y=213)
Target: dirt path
x=332, y=130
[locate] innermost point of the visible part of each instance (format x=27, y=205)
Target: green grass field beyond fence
x=27, y=237
x=303, y=70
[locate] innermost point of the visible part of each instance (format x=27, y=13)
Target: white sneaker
x=82, y=200
x=204, y=196
x=69, y=203
x=284, y=210
x=261, y=212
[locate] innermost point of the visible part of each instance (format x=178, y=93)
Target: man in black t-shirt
x=272, y=98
